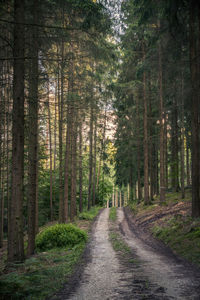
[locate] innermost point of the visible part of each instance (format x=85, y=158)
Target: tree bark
x=15, y=231
x=90, y=157
x=194, y=111
x=80, y=168
x=73, y=163
x=33, y=133
x=138, y=149
x=174, y=147
x=146, y=154
x=94, y=167
x=60, y=108
x=162, y=125
x=50, y=156
x=182, y=140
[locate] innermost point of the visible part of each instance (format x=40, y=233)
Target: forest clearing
x=99, y=149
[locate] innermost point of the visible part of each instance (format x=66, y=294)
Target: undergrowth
x=182, y=234
x=91, y=214
x=43, y=274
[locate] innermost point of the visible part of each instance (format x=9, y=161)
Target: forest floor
x=124, y=261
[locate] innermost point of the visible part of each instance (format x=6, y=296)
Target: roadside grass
x=170, y=198
x=113, y=214
x=171, y=223
x=41, y=275
x=89, y=215
x=182, y=234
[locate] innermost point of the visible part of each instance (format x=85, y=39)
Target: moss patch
x=182, y=234
x=41, y=275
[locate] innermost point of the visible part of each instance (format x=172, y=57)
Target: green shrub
x=59, y=236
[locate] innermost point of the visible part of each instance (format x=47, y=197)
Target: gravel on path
x=148, y=272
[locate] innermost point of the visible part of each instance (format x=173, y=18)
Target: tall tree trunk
x=94, y=167
x=166, y=153
x=60, y=107
x=55, y=143
x=182, y=140
x=90, y=156
x=138, y=149
x=174, y=147
x=150, y=144
x=50, y=156
x=33, y=134
x=146, y=158
x=1, y=171
x=162, y=125
x=73, y=163
x=67, y=162
x=80, y=168
x=194, y=111
x=15, y=232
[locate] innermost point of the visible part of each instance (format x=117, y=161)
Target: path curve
x=180, y=281
x=144, y=273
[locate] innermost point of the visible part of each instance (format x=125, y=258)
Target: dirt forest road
x=148, y=272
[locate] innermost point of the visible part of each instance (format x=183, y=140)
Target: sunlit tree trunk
x=80, y=168
x=50, y=156
x=90, y=156
x=94, y=166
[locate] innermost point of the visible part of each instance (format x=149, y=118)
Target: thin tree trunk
x=174, y=147
x=188, y=161
x=162, y=125
x=150, y=145
x=67, y=161
x=90, y=157
x=73, y=164
x=80, y=168
x=182, y=141
x=60, y=107
x=50, y=155
x=15, y=232
x=33, y=134
x=94, y=170
x=55, y=143
x=146, y=158
x=138, y=150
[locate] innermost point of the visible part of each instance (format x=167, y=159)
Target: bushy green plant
x=59, y=236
